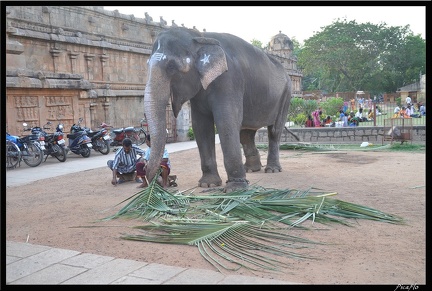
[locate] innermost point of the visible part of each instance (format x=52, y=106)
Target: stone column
x=73, y=57
x=103, y=59
x=55, y=52
x=89, y=58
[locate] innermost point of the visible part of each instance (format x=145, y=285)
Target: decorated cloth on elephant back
x=230, y=84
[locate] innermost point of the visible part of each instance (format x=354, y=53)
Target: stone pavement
x=35, y=264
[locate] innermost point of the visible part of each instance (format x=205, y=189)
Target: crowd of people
x=365, y=112
x=409, y=111
x=130, y=163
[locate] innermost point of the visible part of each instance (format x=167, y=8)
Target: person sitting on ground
x=403, y=113
x=422, y=109
x=370, y=115
x=124, y=164
x=396, y=112
x=309, y=121
x=328, y=121
x=165, y=166
x=412, y=112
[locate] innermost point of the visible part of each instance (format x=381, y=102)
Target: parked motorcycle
x=100, y=139
x=79, y=142
x=118, y=135
x=31, y=147
x=54, y=142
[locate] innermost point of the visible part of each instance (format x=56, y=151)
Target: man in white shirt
x=408, y=100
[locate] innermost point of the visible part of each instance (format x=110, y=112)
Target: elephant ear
x=211, y=61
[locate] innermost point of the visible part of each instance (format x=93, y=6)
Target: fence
x=386, y=109
x=341, y=135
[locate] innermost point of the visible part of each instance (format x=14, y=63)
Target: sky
x=264, y=22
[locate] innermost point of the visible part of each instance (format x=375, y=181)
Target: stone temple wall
x=67, y=62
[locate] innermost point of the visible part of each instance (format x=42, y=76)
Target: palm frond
x=250, y=228
x=229, y=245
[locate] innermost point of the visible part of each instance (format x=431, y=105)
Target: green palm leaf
x=250, y=228
x=229, y=245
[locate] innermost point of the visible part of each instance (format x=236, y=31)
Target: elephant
x=232, y=85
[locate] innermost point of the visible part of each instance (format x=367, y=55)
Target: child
x=165, y=165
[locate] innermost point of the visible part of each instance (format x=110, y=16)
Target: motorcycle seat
x=130, y=128
x=75, y=135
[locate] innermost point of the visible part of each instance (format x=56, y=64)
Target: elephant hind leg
x=251, y=153
x=273, y=164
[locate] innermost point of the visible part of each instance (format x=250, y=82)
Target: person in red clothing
x=309, y=122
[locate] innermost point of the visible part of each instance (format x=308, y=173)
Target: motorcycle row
x=36, y=147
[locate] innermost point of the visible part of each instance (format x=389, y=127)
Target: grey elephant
x=231, y=84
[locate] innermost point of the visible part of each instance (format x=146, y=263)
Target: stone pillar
x=92, y=114
x=55, y=52
x=183, y=123
x=89, y=58
x=103, y=59
x=73, y=57
x=106, y=106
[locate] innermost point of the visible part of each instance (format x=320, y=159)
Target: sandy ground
x=53, y=212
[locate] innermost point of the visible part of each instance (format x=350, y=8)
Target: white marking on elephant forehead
x=188, y=60
x=158, y=56
x=205, y=60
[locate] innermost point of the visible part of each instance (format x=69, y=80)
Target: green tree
x=257, y=43
x=347, y=56
x=332, y=106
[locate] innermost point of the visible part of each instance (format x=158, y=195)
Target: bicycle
x=13, y=155
x=142, y=133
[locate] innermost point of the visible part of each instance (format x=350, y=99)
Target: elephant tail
x=292, y=133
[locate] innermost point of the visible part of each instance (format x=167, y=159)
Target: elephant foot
x=235, y=184
x=253, y=168
x=273, y=169
x=252, y=164
x=209, y=181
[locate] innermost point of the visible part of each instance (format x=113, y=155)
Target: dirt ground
x=52, y=212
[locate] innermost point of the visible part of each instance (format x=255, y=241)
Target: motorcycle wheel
x=104, y=147
x=59, y=153
x=33, y=155
x=142, y=137
x=135, y=139
x=13, y=155
x=85, y=151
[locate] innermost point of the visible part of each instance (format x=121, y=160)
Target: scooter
x=54, y=142
x=118, y=135
x=79, y=142
x=100, y=139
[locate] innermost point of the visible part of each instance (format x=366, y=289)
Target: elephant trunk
x=156, y=97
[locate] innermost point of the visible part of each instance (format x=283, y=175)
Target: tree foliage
x=348, y=56
x=257, y=43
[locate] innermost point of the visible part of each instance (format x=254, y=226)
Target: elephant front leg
x=251, y=153
x=203, y=127
x=273, y=164
x=230, y=144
